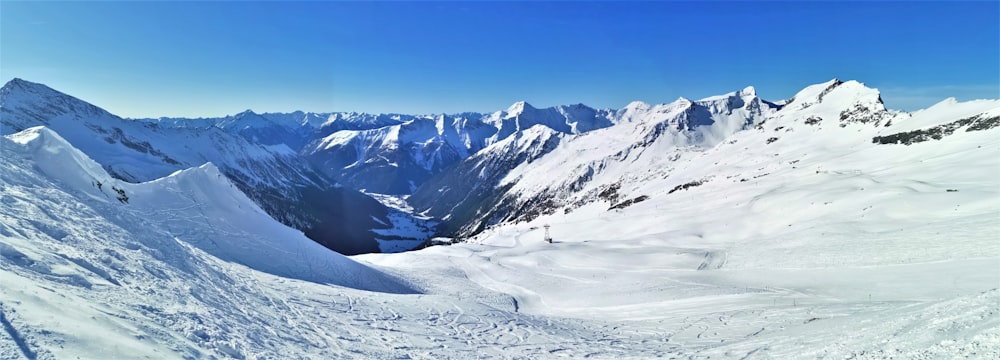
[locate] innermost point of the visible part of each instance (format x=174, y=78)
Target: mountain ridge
x=419, y=156
x=824, y=226
x=281, y=182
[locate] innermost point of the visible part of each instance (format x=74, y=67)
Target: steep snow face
x=133, y=150
x=404, y=155
x=649, y=143
x=396, y=159
x=255, y=152
x=24, y=104
x=149, y=269
x=572, y=119
x=198, y=206
x=466, y=196
x=643, y=138
x=57, y=159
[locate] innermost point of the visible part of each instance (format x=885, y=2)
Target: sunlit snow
x=819, y=243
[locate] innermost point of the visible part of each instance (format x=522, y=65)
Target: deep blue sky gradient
x=148, y=59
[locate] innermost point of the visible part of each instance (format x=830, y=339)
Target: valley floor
x=647, y=297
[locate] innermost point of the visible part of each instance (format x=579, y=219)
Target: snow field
x=817, y=244
x=194, y=276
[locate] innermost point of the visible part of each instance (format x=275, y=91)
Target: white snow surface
x=818, y=244
x=800, y=240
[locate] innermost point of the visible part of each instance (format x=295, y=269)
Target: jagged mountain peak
x=745, y=94
x=817, y=93
x=25, y=104
x=15, y=82
x=519, y=108
x=23, y=91
x=247, y=112
x=248, y=119
x=637, y=105
x=24, y=84
x=523, y=108
x=845, y=101
x=17, y=87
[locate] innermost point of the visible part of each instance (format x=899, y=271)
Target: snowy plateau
x=821, y=226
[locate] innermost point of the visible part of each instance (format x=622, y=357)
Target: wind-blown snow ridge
x=191, y=202
x=257, y=153
x=57, y=159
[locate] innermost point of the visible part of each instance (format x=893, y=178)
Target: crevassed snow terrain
x=729, y=227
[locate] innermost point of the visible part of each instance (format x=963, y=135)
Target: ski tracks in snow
x=12, y=334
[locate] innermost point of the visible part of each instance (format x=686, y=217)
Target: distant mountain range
x=459, y=173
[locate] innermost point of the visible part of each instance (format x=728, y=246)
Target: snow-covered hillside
x=186, y=266
x=512, y=181
x=252, y=151
x=823, y=226
x=828, y=228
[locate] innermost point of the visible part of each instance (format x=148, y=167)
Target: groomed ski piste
x=813, y=245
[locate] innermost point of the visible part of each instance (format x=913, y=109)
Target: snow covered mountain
x=96, y=267
x=249, y=149
x=826, y=226
x=394, y=153
x=469, y=170
x=820, y=226
x=512, y=175
x=403, y=156
x=186, y=266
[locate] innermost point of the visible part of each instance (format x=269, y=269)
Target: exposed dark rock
x=629, y=202
x=687, y=186
x=975, y=123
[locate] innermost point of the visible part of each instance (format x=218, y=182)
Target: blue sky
x=147, y=59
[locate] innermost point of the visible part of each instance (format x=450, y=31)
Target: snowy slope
x=512, y=181
x=255, y=152
x=828, y=227
x=189, y=267
x=198, y=206
x=137, y=275
x=801, y=237
x=463, y=196
x=649, y=145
